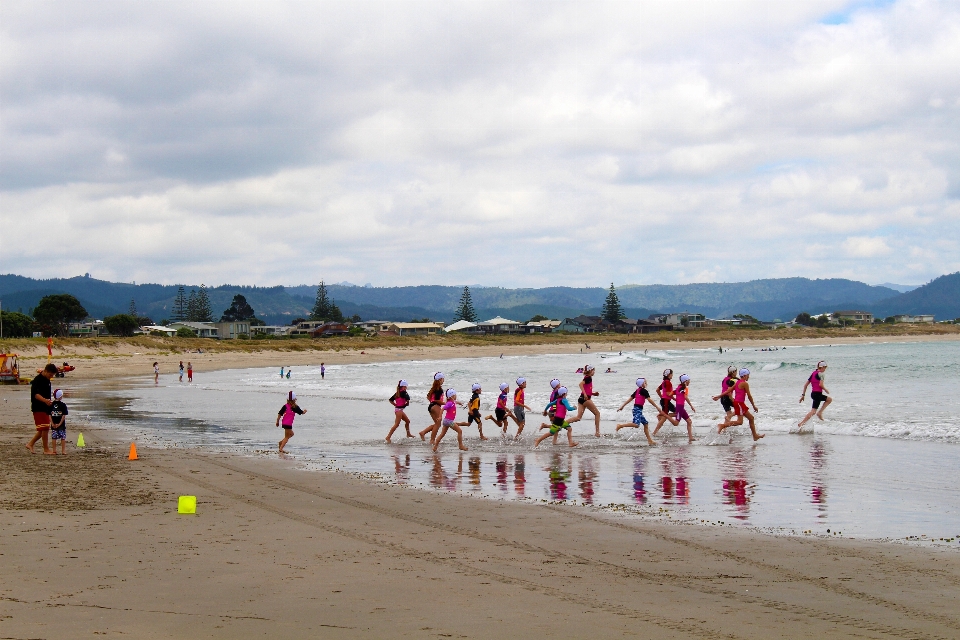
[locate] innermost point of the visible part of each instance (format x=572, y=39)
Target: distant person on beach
x=281, y=371
x=559, y=422
x=726, y=397
x=181, y=371
x=58, y=423
x=323, y=371
x=473, y=409
x=639, y=397
x=40, y=402
x=741, y=392
x=501, y=412
x=450, y=421
x=819, y=393
x=286, y=415
x=289, y=371
x=519, y=408
x=585, y=401
x=400, y=401
x=156, y=372
x=680, y=395
x=435, y=398
x=189, y=372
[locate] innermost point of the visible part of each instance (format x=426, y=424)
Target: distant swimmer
x=741, y=392
x=639, y=398
x=400, y=401
x=559, y=422
x=609, y=370
x=819, y=393
x=286, y=415
x=585, y=401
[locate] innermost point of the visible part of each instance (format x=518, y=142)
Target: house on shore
x=500, y=325
x=913, y=318
x=201, y=329
x=856, y=317
x=415, y=328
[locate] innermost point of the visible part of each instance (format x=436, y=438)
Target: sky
x=515, y=144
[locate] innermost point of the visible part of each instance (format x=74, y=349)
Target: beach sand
x=93, y=547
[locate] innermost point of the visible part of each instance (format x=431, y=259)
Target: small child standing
x=190, y=372
x=449, y=421
x=181, y=371
x=58, y=422
x=288, y=412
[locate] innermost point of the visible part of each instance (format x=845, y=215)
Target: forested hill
x=768, y=299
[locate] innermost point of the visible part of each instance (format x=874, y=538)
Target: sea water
x=882, y=465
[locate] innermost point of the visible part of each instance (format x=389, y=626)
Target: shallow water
x=883, y=465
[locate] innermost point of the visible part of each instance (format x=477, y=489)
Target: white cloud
x=515, y=143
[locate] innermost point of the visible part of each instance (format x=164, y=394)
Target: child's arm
x=549, y=404
x=803, y=394
x=725, y=393
x=750, y=395
x=279, y=413
x=655, y=406
x=692, y=408
x=625, y=403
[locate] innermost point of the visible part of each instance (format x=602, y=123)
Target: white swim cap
x=438, y=375
x=291, y=396
x=451, y=393
x=402, y=383
x=57, y=394
x=588, y=367
x=684, y=378
x=641, y=382
x=504, y=386
x=554, y=383
x=731, y=370
x=744, y=372
x=520, y=381
x=562, y=391
x=821, y=364
x=475, y=387
x=667, y=372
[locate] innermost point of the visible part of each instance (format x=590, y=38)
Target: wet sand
x=92, y=546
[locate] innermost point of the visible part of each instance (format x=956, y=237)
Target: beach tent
x=460, y=325
x=9, y=368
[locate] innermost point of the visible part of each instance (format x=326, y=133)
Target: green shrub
x=184, y=332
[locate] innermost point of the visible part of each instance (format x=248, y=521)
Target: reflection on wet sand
x=736, y=489
x=440, y=479
x=818, y=467
x=674, y=483
x=474, y=470
x=402, y=469
x=639, y=493
x=587, y=478
x=559, y=473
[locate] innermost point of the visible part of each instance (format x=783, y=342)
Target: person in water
x=559, y=422
x=741, y=392
x=519, y=408
x=667, y=408
x=501, y=412
x=400, y=401
x=551, y=409
x=726, y=397
x=450, y=421
x=435, y=398
x=585, y=401
x=639, y=397
x=818, y=393
x=680, y=395
x=473, y=409
x=287, y=413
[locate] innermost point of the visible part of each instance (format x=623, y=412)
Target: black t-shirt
x=295, y=408
x=403, y=395
x=58, y=410
x=643, y=393
x=40, y=386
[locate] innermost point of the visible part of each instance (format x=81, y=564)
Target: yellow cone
x=80, y=440
x=187, y=504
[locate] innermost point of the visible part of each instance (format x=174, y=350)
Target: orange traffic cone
x=133, y=452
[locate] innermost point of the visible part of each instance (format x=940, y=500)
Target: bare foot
x=409, y=435
x=49, y=453
x=820, y=417
x=757, y=437
x=29, y=447
x=424, y=439
x=387, y=440
x=574, y=444
x=651, y=443
x=464, y=449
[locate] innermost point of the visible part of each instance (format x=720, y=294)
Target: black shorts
x=432, y=405
x=582, y=399
x=726, y=403
x=667, y=406
x=474, y=416
x=501, y=414
x=818, y=397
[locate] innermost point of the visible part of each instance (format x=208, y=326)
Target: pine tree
x=612, y=311
x=203, y=311
x=321, y=307
x=180, y=305
x=133, y=308
x=239, y=309
x=192, y=306
x=465, y=310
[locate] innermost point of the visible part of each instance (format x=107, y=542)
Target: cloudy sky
x=501, y=143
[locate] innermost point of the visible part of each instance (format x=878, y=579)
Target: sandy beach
x=93, y=546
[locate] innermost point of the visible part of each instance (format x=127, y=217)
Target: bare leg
x=689, y=430
x=570, y=438
x=436, y=443
x=432, y=429
x=753, y=427
x=287, y=434
x=396, y=424
x=646, y=432
x=726, y=422
x=809, y=415
x=826, y=403
x=541, y=439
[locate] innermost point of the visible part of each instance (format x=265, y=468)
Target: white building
x=415, y=328
x=201, y=329
x=913, y=318
x=500, y=325
x=462, y=325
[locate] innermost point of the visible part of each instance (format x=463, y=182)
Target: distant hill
x=768, y=299
x=941, y=297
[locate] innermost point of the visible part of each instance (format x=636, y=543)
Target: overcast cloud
x=505, y=143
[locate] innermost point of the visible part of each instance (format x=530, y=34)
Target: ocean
x=883, y=465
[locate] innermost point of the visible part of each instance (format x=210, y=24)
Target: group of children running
x=674, y=406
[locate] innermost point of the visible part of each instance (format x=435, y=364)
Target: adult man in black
x=40, y=392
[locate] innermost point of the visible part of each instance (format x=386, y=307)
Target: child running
x=585, y=401
x=287, y=413
x=680, y=394
x=501, y=410
x=639, y=397
x=562, y=406
x=400, y=400
x=667, y=408
x=549, y=411
x=473, y=409
x=726, y=397
x=819, y=393
x=741, y=392
x=435, y=398
x=519, y=408
x=58, y=423
x=449, y=421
